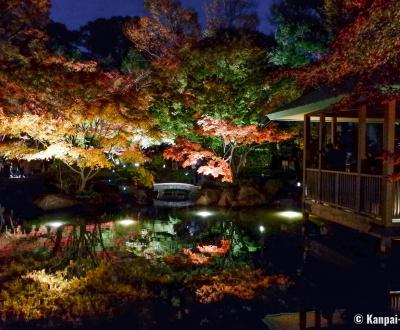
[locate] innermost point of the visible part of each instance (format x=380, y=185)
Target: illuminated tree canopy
x=210, y=89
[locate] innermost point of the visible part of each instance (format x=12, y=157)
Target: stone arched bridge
x=175, y=194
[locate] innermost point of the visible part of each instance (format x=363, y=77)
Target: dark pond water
x=174, y=243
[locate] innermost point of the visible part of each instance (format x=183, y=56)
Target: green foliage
x=301, y=35
x=139, y=176
x=257, y=161
x=133, y=62
x=226, y=81
x=220, y=80
x=174, y=175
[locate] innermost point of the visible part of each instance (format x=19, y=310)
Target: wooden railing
x=396, y=201
x=360, y=193
x=394, y=302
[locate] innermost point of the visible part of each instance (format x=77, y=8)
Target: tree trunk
x=242, y=162
x=60, y=175
x=83, y=177
x=82, y=185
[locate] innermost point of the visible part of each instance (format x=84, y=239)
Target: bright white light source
x=137, y=165
x=290, y=214
x=113, y=171
x=186, y=173
x=262, y=229
x=298, y=184
x=55, y=224
x=164, y=166
x=127, y=222
x=124, y=188
x=204, y=214
x=124, y=166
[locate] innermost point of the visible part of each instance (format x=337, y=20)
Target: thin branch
x=73, y=169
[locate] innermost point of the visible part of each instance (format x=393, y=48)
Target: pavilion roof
x=315, y=101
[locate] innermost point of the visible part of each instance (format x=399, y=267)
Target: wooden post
x=361, y=150
x=321, y=147
x=321, y=142
x=317, y=319
x=334, y=131
x=307, y=126
x=388, y=145
x=303, y=320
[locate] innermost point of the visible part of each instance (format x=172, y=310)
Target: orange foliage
x=366, y=49
x=243, y=283
x=216, y=250
x=196, y=258
x=169, y=27
x=190, y=154
x=187, y=257
x=242, y=135
x=70, y=65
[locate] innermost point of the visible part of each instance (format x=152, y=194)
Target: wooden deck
x=365, y=202
x=360, y=193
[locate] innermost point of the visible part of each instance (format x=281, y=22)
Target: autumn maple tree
x=232, y=137
x=191, y=154
x=55, y=108
x=85, y=139
x=364, y=49
x=169, y=27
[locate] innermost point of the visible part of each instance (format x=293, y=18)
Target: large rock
x=226, y=199
x=249, y=196
x=208, y=197
x=53, y=202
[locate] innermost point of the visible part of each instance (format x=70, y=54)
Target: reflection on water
x=186, y=258
x=153, y=233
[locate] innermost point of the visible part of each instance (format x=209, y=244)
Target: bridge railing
x=175, y=186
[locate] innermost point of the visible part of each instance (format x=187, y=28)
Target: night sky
x=75, y=13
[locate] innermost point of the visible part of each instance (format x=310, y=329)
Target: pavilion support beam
x=307, y=135
x=388, y=145
x=321, y=149
x=361, y=151
x=334, y=131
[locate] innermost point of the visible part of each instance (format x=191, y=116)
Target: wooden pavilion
x=345, y=181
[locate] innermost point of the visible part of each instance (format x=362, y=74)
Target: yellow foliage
x=39, y=295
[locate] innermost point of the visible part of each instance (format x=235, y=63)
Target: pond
x=171, y=268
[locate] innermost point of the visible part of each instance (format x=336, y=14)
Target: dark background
x=75, y=13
